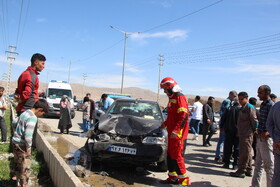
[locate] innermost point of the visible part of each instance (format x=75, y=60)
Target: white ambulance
x=55, y=91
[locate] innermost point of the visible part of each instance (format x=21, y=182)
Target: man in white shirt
x=196, y=117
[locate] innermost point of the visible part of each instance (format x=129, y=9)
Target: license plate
x=124, y=150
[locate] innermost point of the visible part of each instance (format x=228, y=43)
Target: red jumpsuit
x=177, y=121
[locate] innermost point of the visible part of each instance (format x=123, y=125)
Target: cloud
x=128, y=67
x=207, y=90
x=17, y=61
x=163, y=3
x=264, y=69
x=262, y=2
x=41, y=20
x=111, y=81
x=176, y=35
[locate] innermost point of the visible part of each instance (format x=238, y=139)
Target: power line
x=245, y=43
x=190, y=56
x=19, y=23
x=102, y=51
x=24, y=23
x=177, y=19
x=225, y=57
x=4, y=29
x=182, y=17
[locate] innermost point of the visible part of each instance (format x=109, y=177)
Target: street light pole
x=124, y=51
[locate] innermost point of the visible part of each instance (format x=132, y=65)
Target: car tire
x=72, y=114
x=162, y=166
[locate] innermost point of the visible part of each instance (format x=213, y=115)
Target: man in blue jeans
x=273, y=128
x=225, y=105
x=196, y=117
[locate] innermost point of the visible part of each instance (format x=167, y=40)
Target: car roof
x=134, y=100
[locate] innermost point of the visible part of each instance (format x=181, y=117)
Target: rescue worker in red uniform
x=177, y=128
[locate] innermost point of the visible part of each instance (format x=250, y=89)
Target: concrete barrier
x=60, y=172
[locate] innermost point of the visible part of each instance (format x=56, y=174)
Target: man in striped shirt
x=22, y=140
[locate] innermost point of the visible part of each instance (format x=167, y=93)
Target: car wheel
x=162, y=166
x=72, y=115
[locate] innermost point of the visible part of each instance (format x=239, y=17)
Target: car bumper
x=53, y=112
x=145, y=153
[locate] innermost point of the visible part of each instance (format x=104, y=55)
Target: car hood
x=127, y=125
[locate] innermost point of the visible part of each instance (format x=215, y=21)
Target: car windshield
x=137, y=108
x=58, y=93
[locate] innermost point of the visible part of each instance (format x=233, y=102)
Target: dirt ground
x=200, y=164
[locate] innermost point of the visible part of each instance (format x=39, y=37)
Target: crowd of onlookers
x=243, y=127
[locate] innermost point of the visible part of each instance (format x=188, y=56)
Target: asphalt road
x=202, y=169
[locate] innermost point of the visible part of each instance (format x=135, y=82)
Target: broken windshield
x=135, y=108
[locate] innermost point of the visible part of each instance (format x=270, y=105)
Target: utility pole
x=159, y=74
x=48, y=77
x=69, y=71
x=124, y=51
x=10, y=59
x=84, y=79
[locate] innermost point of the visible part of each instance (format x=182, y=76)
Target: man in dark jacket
x=228, y=125
x=92, y=108
x=208, y=119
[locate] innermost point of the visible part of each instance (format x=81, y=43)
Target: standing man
x=208, y=119
x=92, y=108
x=246, y=127
x=107, y=102
x=22, y=140
x=177, y=128
x=196, y=117
x=273, y=128
x=3, y=107
x=264, y=156
x=225, y=105
x=26, y=93
x=273, y=97
x=228, y=125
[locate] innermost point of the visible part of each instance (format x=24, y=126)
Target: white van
x=55, y=91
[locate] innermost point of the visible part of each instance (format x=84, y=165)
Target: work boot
x=248, y=173
x=170, y=180
x=238, y=173
x=184, y=181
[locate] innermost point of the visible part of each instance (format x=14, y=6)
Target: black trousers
x=3, y=128
x=205, y=129
x=231, y=147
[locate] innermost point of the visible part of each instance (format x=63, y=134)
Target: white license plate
x=124, y=150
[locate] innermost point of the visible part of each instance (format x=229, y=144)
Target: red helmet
x=168, y=83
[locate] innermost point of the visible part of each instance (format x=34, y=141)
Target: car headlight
x=103, y=137
x=50, y=104
x=153, y=140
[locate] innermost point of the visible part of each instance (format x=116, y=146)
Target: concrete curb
x=60, y=172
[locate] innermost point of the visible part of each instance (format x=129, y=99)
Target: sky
x=208, y=46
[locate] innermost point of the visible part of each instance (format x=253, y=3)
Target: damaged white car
x=130, y=132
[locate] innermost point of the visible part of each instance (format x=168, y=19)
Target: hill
x=135, y=92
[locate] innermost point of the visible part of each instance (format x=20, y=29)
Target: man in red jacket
x=177, y=128
x=26, y=93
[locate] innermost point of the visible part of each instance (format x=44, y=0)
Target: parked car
x=79, y=105
x=129, y=132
